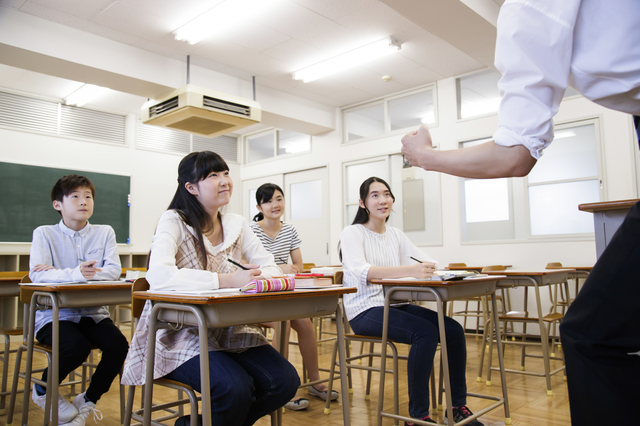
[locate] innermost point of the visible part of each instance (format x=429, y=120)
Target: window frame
x=276, y=146
x=387, y=122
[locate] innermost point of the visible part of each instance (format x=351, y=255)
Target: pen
x=237, y=264
x=283, y=261
x=419, y=261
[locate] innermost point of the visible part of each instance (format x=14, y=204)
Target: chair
x=137, y=306
x=25, y=298
x=523, y=317
x=349, y=337
x=7, y=332
x=466, y=313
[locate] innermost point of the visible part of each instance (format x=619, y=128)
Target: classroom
x=317, y=140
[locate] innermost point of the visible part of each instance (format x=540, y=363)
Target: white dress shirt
x=544, y=45
x=65, y=249
x=361, y=249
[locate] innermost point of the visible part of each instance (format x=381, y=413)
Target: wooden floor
x=528, y=400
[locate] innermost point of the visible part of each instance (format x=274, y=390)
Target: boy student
x=74, y=250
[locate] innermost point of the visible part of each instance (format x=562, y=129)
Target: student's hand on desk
x=288, y=269
x=416, y=144
x=88, y=269
x=42, y=267
x=241, y=277
x=422, y=270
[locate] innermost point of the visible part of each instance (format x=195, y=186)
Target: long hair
x=362, y=215
x=193, y=168
x=264, y=194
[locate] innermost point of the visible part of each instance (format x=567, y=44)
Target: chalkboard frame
x=25, y=194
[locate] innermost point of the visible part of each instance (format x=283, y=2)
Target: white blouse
x=362, y=249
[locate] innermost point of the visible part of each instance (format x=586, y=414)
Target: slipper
x=322, y=394
x=297, y=404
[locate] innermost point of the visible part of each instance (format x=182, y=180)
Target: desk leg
x=281, y=333
x=503, y=378
x=344, y=386
x=151, y=357
x=203, y=334
x=544, y=338
x=445, y=359
x=55, y=362
x=28, y=366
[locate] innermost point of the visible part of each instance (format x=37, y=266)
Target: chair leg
x=331, y=375
x=131, y=393
x=5, y=372
x=14, y=385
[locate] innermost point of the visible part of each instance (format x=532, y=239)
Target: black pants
x=75, y=344
x=601, y=334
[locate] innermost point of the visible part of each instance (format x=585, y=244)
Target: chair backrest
x=337, y=277
x=137, y=305
x=457, y=265
x=493, y=268
x=13, y=274
x=307, y=266
x=554, y=265
x=25, y=279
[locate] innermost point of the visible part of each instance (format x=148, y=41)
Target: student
x=74, y=250
x=281, y=240
x=373, y=250
x=190, y=251
x=542, y=46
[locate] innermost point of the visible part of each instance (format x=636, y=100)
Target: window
x=565, y=176
x=486, y=206
x=568, y=174
x=392, y=113
x=478, y=94
x=265, y=145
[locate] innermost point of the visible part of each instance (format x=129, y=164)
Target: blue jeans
x=418, y=327
x=245, y=386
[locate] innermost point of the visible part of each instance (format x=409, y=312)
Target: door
x=307, y=209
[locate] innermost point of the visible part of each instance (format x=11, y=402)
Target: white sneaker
x=85, y=409
x=66, y=410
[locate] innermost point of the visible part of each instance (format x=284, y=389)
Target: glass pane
x=306, y=200
x=478, y=94
x=364, y=122
x=261, y=147
x=358, y=173
x=554, y=207
x=291, y=142
x=412, y=110
x=476, y=194
x=351, y=213
x=571, y=155
x=252, y=204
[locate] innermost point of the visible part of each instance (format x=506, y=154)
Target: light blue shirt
x=65, y=249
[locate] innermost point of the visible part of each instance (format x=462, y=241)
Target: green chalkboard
x=25, y=201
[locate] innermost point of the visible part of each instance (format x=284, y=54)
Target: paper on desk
x=71, y=283
x=212, y=292
x=318, y=287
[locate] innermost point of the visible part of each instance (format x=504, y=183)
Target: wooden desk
x=536, y=279
x=469, y=268
x=441, y=292
x=607, y=218
x=56, y=296
x=228, y=310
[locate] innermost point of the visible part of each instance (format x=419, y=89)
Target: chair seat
x=11, y=331
x=172, y=383
x=361, y=336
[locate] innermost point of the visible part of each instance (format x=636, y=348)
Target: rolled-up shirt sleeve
x=353, y=256
x=163, y=272
x=533, y=53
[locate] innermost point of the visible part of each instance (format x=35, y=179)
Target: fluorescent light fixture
x=564, y=134
x=223, y=16
x=84, y=94
x=348, y=60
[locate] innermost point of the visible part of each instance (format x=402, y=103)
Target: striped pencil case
x=273, y=284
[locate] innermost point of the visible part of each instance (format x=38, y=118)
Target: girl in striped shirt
x=281, y=240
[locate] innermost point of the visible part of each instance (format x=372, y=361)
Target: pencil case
x=274, y=284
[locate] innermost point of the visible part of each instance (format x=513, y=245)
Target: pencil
x=237, y=264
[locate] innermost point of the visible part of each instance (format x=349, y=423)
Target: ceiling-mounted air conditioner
x=201, y=111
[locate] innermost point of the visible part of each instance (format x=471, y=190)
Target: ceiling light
x=220, y=18
x=84, y=94
x=348, y=60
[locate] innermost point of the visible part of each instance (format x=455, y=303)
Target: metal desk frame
x=442, y=292
x=56, y=296
x=223, y=311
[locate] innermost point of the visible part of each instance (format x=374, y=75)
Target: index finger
x=251, y=266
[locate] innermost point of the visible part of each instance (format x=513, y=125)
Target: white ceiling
x=297, y=33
